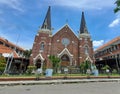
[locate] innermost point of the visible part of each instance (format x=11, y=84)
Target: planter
x=96, y=73
x=48, y=72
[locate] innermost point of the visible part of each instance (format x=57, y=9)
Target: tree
x=27, y=53
x=84, y=66
x=55, y=62
x=2, y=64
x=117, y=6
x=87, y=65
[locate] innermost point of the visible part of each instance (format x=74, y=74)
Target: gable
x=65, y=51
x=65, y=32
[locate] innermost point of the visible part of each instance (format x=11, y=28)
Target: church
x=72, y=49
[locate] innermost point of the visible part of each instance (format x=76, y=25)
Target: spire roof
x=47, y=21
x=83, y=27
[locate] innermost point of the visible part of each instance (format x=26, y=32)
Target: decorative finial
x=66, y=21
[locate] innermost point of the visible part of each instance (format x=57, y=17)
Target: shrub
x=30, y=69
x=114, y=71
x=2, y=64
x=105, y=68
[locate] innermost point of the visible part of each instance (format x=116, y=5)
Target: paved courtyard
x=80, y=88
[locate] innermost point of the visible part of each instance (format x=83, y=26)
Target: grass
x=23, y=75
x=70, y=74
x=55, y=75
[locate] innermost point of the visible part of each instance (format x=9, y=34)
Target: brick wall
x=54, y=46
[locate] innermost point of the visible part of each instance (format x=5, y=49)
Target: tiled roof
x=6, y=50
x=109, y=43
x=11, y=44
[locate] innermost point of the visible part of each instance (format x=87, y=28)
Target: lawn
x=58, y=75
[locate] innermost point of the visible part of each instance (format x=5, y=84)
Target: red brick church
x=72, y=49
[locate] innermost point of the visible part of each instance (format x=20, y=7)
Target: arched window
x=86, y=50
x=42, y=45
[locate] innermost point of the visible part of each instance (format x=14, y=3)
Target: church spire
x=47, y=21
x=83, y=27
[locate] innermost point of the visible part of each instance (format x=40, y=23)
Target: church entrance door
x=38, y=63
x=65, y=62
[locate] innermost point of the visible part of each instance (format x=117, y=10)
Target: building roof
x=7, y=51
x=110, y=43
x=10, y=44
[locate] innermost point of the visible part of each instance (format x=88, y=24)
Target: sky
x=20, y=20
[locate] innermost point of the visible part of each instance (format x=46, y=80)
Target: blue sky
x=20, y=19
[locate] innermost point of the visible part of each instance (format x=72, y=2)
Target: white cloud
x=84, y=4
x=114, y=22
x=15, y=4
x=98, y=43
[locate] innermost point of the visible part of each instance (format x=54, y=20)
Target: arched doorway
x=66, y=56
x=65, y=61
x=38, y=63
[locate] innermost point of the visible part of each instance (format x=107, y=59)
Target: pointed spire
x=83, y=27
x=47, y=21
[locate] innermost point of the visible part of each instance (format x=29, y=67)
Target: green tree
x=2, y=64
x=117, y=6
x=87, y=65
x=27, y=53
x=84, y=66
x=55, y=63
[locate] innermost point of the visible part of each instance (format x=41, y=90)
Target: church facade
x=72, y=49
